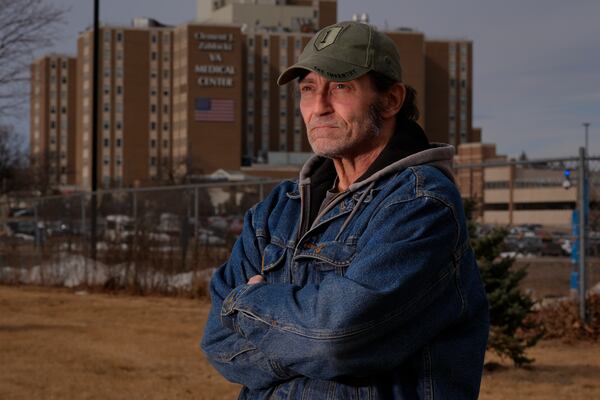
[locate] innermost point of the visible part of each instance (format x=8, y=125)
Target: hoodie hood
x=407, y=147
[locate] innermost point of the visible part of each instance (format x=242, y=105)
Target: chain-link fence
x=537, y=202
x=151, y=239
x=171, y=237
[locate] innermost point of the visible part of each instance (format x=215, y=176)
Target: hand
x=256, y=279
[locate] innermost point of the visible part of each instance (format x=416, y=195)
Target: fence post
x=195, y=212
x=583, y=206
x=82, y=216
x=135, y=211
x=36, y=234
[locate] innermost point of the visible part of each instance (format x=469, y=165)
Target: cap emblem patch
x=327, y=37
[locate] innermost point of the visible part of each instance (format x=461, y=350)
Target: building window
x=105, y=142
x=118, y=142
x=119, y=90
x=119, y=37
x=153, y=56
x=265, y=42
x=154, y=38
x=153, y=126
x=153, y=143
x=153, y=108
x=165, y=143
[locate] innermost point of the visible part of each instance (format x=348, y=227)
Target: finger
x=256, y=279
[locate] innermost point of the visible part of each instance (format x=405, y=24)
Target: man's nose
x=323, y=102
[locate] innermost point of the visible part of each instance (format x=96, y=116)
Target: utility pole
x=95, y=95
x=583, y=211
x=586, y=125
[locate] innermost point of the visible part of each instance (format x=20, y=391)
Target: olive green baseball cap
x=345, y=51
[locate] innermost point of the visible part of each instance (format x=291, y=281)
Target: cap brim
x=331, y=69
x=291, y=73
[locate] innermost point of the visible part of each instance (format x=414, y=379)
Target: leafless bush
x=560, y=320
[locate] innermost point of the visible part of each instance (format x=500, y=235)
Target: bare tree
x=12, y=159
x=25, y=26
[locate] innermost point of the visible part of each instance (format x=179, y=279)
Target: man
x=357, y=281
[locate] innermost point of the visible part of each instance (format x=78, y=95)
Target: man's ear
x=393, y=100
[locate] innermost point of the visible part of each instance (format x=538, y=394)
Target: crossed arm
x=396, y=295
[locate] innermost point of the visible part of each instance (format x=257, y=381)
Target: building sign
x=215, y=69
x=215, y=74
x=215, y=81
x=214, y=41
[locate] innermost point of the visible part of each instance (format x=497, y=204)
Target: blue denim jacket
x=380, y=298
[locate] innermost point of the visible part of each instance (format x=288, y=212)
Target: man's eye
x=341, y=86
x=305, y=89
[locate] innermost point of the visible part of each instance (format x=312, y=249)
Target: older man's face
x=339, y=116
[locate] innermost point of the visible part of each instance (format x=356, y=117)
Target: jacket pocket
x=326, y=258
x=273, y=263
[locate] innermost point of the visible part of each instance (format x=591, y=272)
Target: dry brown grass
x=55, y=344
x=58, y=345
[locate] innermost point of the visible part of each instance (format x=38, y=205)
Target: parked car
x=119, y=227
x=208, y=237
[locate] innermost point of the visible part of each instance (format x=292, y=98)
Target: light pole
x=586, y=125
x=95, y=101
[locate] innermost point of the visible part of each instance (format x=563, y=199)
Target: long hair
x=409, y=110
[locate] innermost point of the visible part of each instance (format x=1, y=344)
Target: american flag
x=214, y=110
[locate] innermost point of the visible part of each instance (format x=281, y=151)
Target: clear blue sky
x=536, y=62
